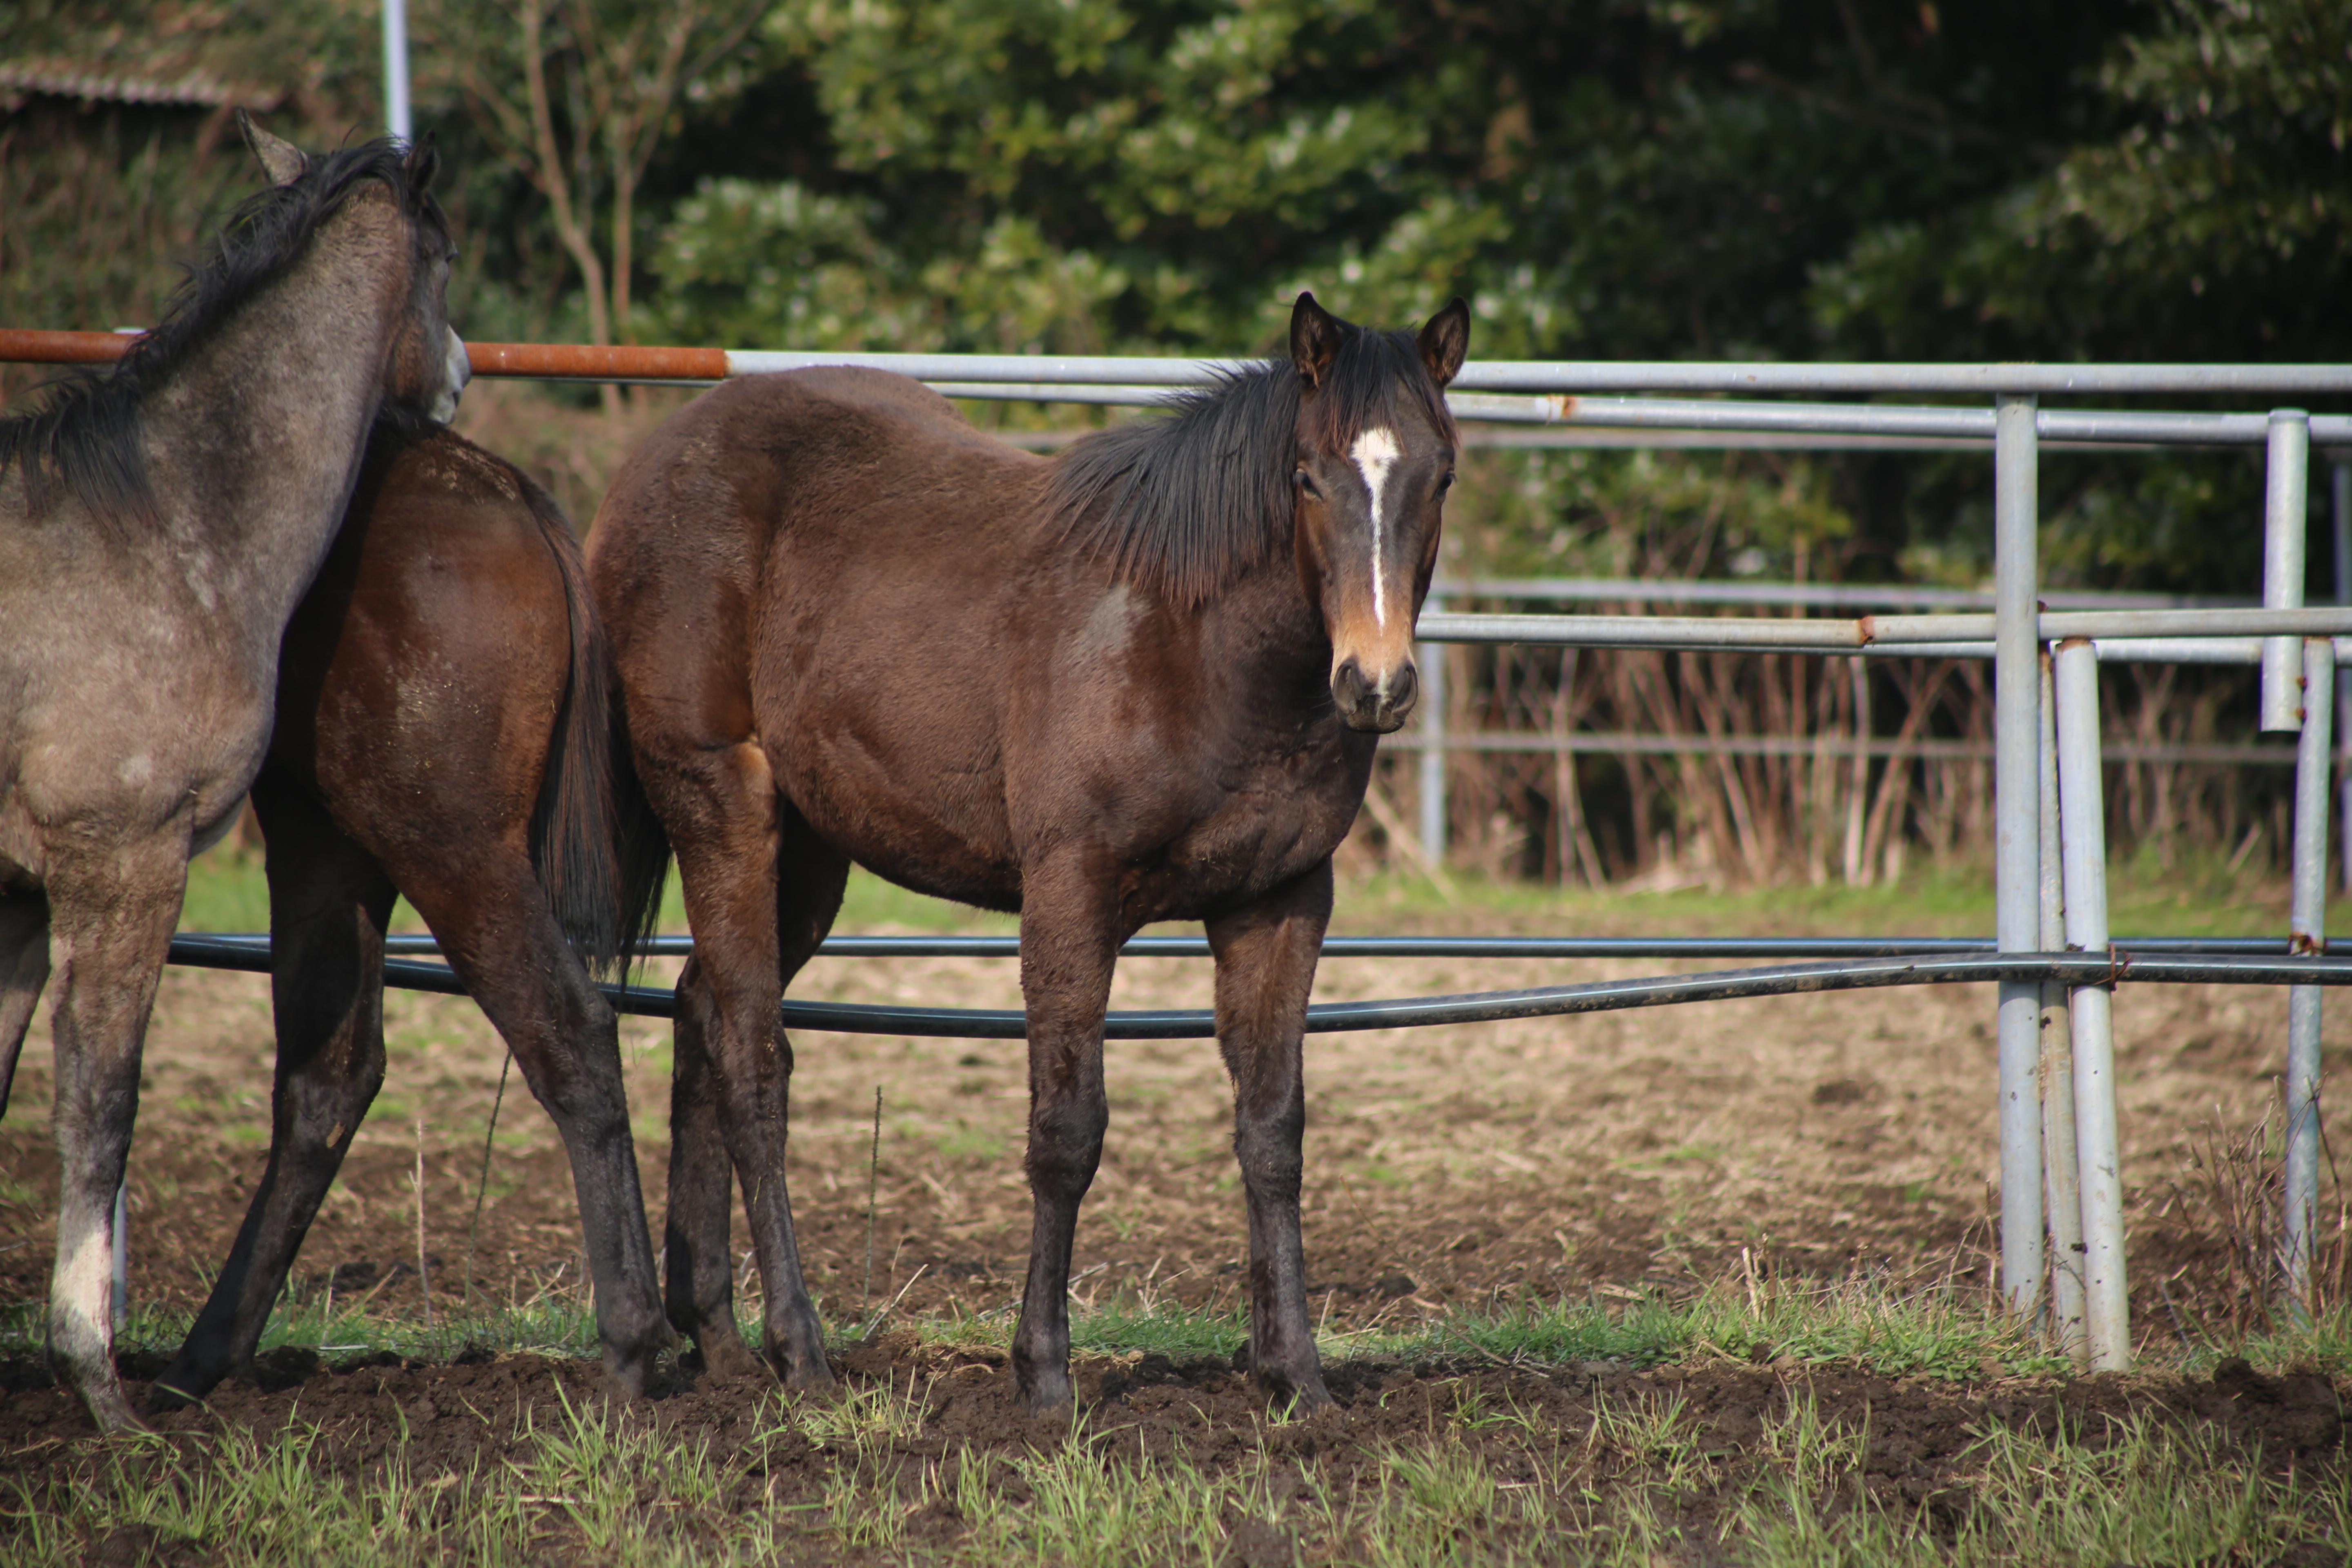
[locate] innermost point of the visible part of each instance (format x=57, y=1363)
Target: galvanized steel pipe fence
x=2061, y=1174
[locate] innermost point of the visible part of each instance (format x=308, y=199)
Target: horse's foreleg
x=1266, y=966
x=24, y=970
x=497, y=931
x=329, y=902
x=113, y=910
x=726, y=821
x=1069, y=940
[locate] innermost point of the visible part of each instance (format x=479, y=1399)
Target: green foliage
x=2211, y=223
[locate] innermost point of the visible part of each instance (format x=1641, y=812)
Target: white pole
x=396, y=68
x=2016, y=841
x=1431, y=657
x=2082, y=834
x=2342, y=496
x=2060, y=1162
x=2309, y=922
x=2285, y=470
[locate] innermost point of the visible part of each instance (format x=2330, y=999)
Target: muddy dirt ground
x=1612, y=1154
x=452, y=1420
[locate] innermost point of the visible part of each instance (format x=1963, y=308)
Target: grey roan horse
x=157, y=528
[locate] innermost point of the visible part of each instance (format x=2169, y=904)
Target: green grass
x=861, y=1478
x=857, y=1478
x=2198, y=896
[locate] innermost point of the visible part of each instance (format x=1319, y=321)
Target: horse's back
x=429, y=662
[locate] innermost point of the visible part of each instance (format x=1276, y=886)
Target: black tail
x=641, y=846
x=595, y=843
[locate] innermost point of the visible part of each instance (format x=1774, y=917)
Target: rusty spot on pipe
x=20, y=345
x=589, y=362
x=1866, y=630
x=1563, y=405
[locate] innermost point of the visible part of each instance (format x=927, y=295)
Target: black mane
x=1179, y=506
x=85, y=436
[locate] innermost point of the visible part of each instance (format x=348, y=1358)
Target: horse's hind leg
x=733, y=1074
x=24, y=970
x=113, y=908
x=1266, y=966
x=497, y=930
x=329, y=902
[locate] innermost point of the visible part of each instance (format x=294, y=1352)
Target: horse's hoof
x=813, y=1375
x=112, y=1412
x=728, y=1359
x=1049, y=1393
x=1295, y=1397
x=172, y=1392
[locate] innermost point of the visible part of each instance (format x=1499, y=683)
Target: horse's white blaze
x=1375, y=453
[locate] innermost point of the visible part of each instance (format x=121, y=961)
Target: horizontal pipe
x=1487, y=1007
x=1871, y=632
x=1980, y=380
x=1823, y=595
x=1525, y=947
x=1479, y=376
x=1536, y=742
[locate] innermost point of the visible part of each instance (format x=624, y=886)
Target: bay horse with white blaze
x=1140, y=681
x=444, y=731
x=157, y=526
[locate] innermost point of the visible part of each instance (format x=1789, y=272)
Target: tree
x=576, y=96
x=2211, y=223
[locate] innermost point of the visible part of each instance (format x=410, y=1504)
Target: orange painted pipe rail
x=23, y=346
x=20, y=346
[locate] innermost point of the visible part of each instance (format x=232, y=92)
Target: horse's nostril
x=1404, y=688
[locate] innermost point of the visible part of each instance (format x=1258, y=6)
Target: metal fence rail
x=2077, y=969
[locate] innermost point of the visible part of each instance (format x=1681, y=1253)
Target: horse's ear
x=423, y=162
x=282, y=161
x=1315, y=336
x=1445, y=341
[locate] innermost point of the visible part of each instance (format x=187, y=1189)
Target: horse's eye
x=1445, y=481
x=1306, y=481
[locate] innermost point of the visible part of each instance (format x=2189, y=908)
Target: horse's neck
x=255, y=440
x=1272, y=637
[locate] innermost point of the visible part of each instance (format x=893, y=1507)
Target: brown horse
x=158, y=525
x=443, y=731
x=1139, y=682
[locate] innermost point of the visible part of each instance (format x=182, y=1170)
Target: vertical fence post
x=2341, y=495
x=2309, y=918
x=2017, y=839
x=2083, y=847
x=396, y=68
x=1431, y=657
x=2067, y=1329
x=2285, y=470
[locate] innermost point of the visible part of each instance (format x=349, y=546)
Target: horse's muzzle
x=457, y=370
x=1380, y=706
